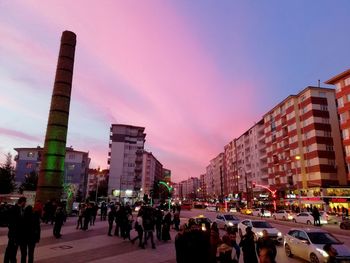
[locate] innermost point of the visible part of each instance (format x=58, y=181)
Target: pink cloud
x=17, y=134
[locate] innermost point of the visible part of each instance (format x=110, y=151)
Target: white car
x=283, y=215
x=307, y=218
x=211, y=208
x=308, y=244
x=260, y=212
x=257, y=227
x=227, y=220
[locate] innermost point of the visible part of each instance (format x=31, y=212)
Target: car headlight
x=279, y=234
x=322, y=252
x=230, y=223
x=260, y=233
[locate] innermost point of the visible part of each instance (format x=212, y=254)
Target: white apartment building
x=125, y=160
x=152, y=170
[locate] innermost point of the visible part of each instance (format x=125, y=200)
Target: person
x=176, y=221
x=332, y=253
x=80, y=216
x=104, y=210
x=148, y=226
x=87, y=216
x=31, y=233
x=128, y=226
x=111, y=217
x=139, y=230
x=118, y=219
x=58, y=221
x=248, y=246
x=214, y=241
x=231, y=233
x=94, y=210
x=266, y=242
x=266, y=255
x=166, y=227
x=224, y=250
x=316, y=215
x=16, y=223
x=159, y=219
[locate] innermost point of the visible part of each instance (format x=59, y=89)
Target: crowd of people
x=195, y=245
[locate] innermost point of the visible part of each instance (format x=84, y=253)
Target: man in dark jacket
x=16, y=223
x=266, y=242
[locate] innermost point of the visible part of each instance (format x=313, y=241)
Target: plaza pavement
x=93, y=245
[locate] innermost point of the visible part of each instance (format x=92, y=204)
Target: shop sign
x=291, y=196
x=263, y=196
x=312, y=199
x=339, y=200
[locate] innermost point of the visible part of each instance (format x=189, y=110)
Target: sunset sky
x=195, y=74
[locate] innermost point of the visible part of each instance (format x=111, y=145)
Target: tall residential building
x=342, y=94
x=125, y=160
x=202, y=187
x=303, y=143
x=152, y=171
x=252, y=160
x=76, y=166
x=218, y=175
x=230, y=169
x=209, y=179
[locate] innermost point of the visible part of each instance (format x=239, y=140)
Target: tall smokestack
x=51, y=175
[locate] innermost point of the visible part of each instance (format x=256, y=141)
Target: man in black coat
x=16, y=223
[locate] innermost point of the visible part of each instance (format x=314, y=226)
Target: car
x=283, y=215
x=246, y=211
x=261, y=212
x=227, y=220
x=307, y=218
x=258, y=226
x=308, y=244
x=211, y=208
x=201, y=221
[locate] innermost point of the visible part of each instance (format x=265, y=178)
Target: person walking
x=148, y=226
x=139, y=230
x=214, y=241
x=248, y=246
x=80, y=216
x=31, y=234
x=166, y=227
x=111, y=218
x=176, y=221
x=159, y=220
x=94, y=210
x=16, y=224
x=58, y=221
x=118, y=221
x=87, y=216
x=316, y=215
x=266, y=242
x=103, y=211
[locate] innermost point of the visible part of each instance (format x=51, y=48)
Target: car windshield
x=202, y=220
x=230, y=217
x=261, y=224
x=323, y=238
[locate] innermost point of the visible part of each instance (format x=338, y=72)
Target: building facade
x=125, y=160
x=152, y=172
x=303, y=143
x=76, y=166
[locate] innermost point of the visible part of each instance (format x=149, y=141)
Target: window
x=341, y=102
x=29, y=165
x=322, y=94
x=324, y=107
x=71, y=167
x=30, y=154
x=329, y=148
x=345, y=134
x=71, y=156
x=347, y=82
x=337, y=87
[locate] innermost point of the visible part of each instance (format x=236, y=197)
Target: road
x=282, y=226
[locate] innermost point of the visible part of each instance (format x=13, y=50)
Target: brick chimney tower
x=51, y=175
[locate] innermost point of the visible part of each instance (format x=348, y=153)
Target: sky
x=195, y=74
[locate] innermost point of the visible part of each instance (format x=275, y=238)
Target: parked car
x=308, y=244
x=283, y=215
x=307, y=218
x=259, y=212
x=227, y=220
x=211, y=208
x=258, y=226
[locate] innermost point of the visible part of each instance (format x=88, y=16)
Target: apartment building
x=342, y=94
x=126, y=147
x=252, y=161
x=230, y=169
x=152, y=171
x=76, y=166
x=303, y=143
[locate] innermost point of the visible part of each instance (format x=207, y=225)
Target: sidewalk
x=93, y=245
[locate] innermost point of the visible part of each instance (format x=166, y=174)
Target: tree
x=30, y=181
x=7, y=176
